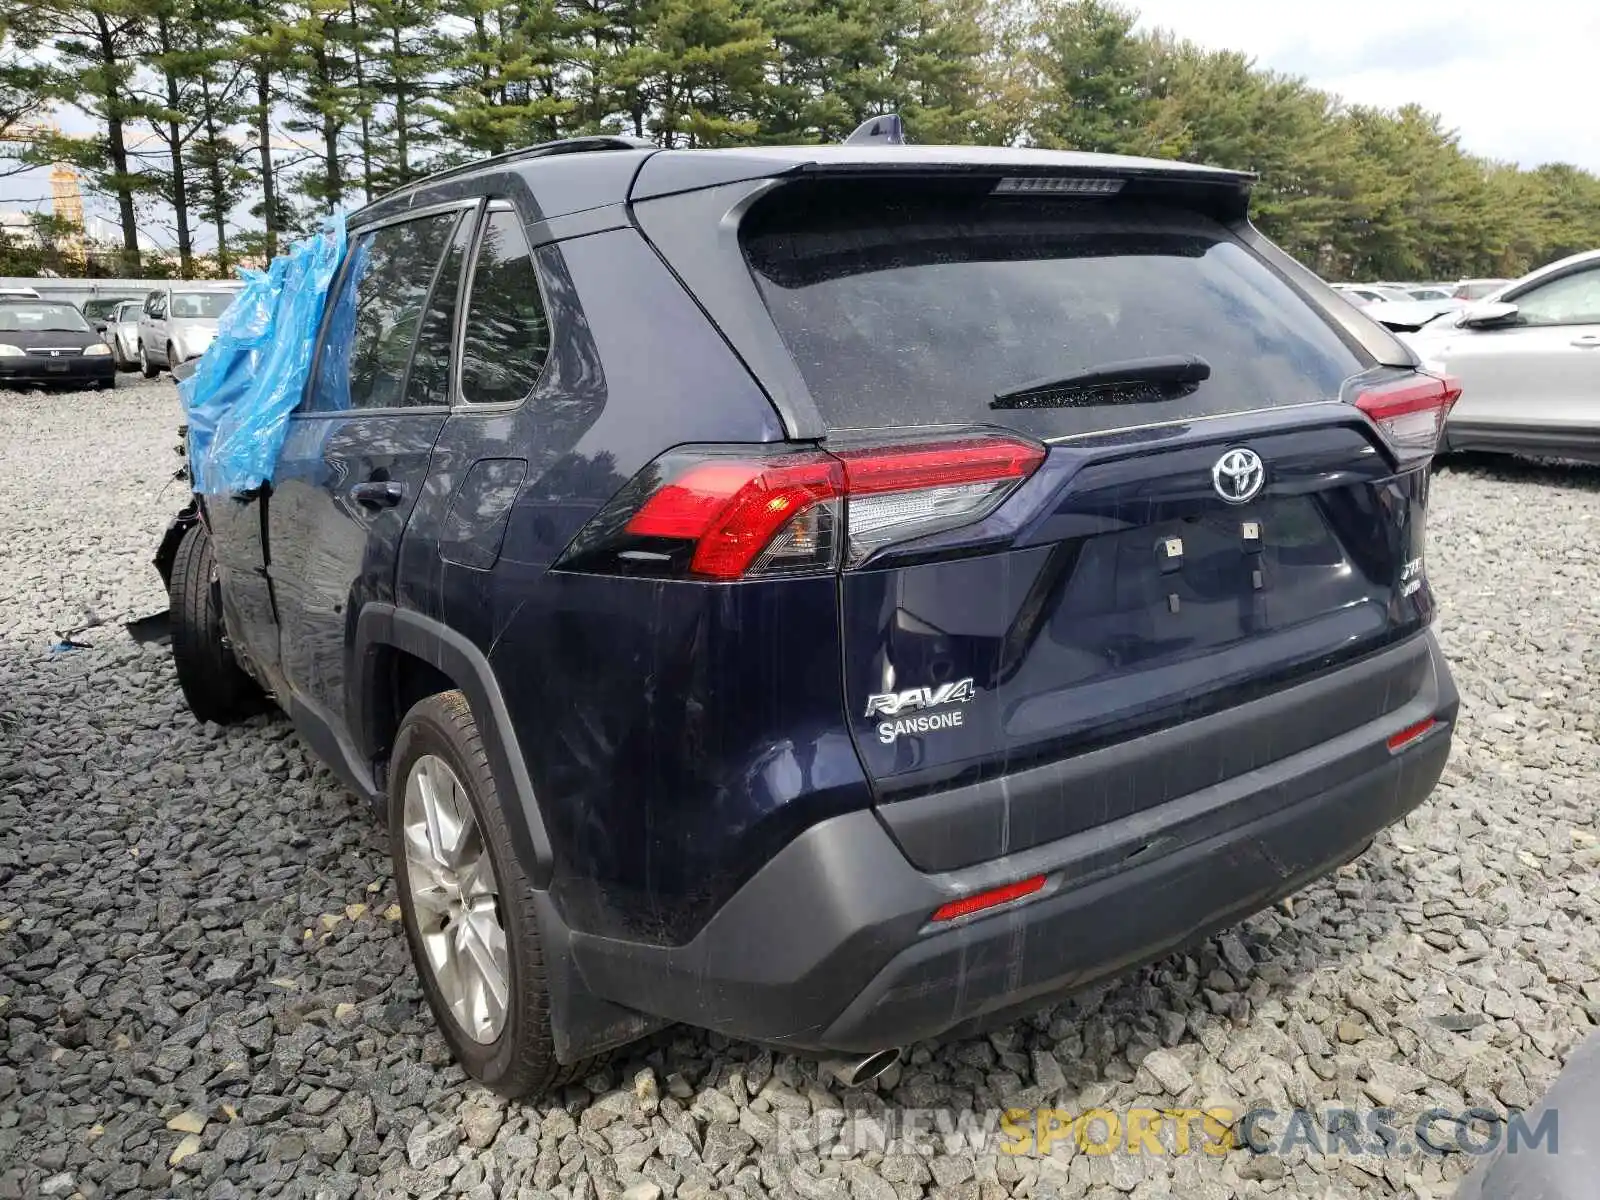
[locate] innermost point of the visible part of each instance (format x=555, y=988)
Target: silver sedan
x=122, y=333
x=1528, y=359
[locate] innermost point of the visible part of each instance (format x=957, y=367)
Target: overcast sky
x=1516, y=78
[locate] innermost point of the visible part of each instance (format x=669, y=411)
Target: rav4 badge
x=892, y=704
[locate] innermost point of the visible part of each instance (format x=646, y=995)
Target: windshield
x=905, y=309
x=102, y=308
x=200, y=304
x=40, y=317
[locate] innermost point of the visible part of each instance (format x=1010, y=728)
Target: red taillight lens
x=941, y=464
x=732, y=510
x=1411, y=411
x=904, y=491
x=992, y=898
x=713, y=513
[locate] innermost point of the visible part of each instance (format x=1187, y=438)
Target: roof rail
x=573, y=145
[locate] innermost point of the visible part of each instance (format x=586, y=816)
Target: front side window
x=1571, y=300
x=374, y=313
x=507, y=335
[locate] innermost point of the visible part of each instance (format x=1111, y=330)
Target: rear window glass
x=904, y=310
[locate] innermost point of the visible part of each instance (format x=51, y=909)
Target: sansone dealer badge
x=894, y=704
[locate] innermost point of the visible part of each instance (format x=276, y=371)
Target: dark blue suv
x=830, y=595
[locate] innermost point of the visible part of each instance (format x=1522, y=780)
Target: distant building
x=20, y=230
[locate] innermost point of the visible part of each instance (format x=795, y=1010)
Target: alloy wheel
x=455, y=899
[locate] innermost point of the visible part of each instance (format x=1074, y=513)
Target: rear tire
x=150, y=369
x=214, y=685
x=439, y=752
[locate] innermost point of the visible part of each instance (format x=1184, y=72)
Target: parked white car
x=179, y=321
x=1528, y=358
x=122, y=333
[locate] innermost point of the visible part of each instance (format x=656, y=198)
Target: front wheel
x=467, y=904
x=214, y=685
x=150, y=369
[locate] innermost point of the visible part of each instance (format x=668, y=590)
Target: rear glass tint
x=906, y=309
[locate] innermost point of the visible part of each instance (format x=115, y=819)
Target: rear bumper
x=77, y=368
x=1555, y=441
x=829, y=946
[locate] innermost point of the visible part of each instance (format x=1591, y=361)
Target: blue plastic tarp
x=250, y=379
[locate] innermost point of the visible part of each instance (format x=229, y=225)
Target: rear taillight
x=721, y=513
x=744, y=515
x=1410, y=411
x=904, y=491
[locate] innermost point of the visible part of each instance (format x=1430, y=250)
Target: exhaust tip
x=854, y=1072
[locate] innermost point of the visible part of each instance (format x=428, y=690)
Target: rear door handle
x=1589, y=341
x=384, y=493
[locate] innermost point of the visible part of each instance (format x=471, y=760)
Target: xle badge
x=893, y=704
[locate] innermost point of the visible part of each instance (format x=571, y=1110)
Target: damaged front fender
x=167, y=551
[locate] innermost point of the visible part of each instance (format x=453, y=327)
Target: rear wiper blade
x=1130, y=380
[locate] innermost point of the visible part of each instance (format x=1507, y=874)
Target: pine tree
x=945, y=77
x=265, y=47
x=699, y=71
x=221, y=179
x=500, y=87
x=405, y=57
x=177, y=58
x=1093, y=86
x=833, y=65
x=92, y=48
x=322, y=93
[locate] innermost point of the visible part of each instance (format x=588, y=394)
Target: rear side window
x=429, y=381
x=908, y=309
x=374, y=315
x=507, y=335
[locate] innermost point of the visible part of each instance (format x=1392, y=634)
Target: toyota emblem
x=1238, y=475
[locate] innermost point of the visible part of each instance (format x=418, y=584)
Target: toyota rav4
x=834, y=596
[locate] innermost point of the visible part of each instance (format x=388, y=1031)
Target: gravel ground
x=204, y=989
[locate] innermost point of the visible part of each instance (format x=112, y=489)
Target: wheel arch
x=400, y=656
x=167, y=550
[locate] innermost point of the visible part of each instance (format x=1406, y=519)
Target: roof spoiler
x=887, y=130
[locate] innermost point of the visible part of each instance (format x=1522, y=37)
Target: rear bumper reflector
x=1411, y=733
x=992, y=898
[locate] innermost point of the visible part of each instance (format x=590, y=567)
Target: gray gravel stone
x=429, y=1143
x=1168, y=1070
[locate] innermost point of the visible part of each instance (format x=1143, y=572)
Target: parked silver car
x=179, y=321
x=1528, y=359
x=121, y=332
